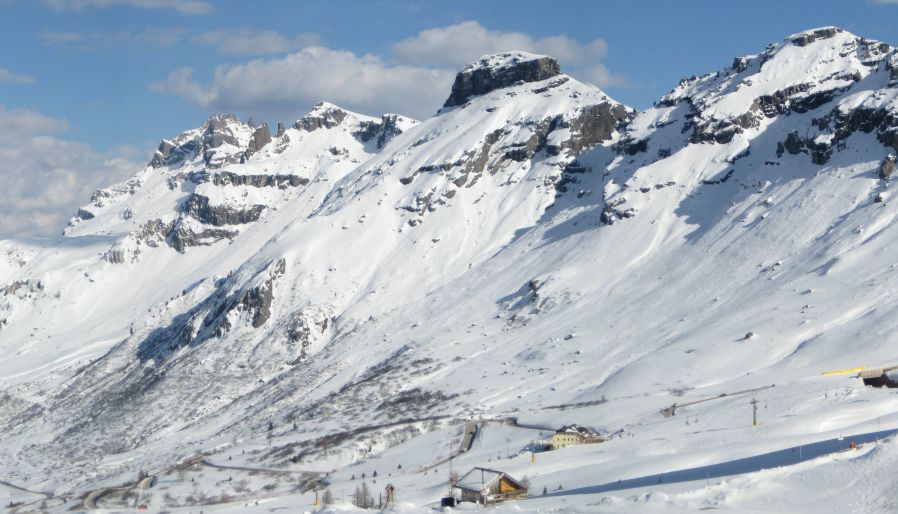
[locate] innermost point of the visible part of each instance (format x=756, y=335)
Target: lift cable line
x=672, y=410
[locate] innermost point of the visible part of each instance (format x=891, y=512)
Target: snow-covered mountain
x=342, y=294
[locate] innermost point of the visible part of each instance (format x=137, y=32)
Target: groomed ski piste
x=255, y=320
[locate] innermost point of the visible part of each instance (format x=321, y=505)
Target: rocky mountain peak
x=496, y=71
x=802, y=72
x=322, y=115
x=809, y=36
x=222, y=128
x=222, y=131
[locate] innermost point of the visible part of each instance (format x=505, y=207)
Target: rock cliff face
x=323, y=115
x=498, y=71
x=390, y=126
x=227, y=175
x=809, y=95
x=261, y=137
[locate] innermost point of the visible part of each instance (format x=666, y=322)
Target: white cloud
x=44, y=178
x=254, y=42
x=292, y=83
x=8, y=77
x=459, y=44
x=414, y=82
x=181, y=6
x=601, y=76
x=464, y=42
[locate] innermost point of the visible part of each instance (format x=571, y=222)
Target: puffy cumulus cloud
x=254, y=42
x=8, y=77
x=292, y=83
x=414, y=80
x=182, y=6
x=459, y=44
x=45, y=178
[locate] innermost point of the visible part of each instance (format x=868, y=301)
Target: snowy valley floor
x=707, y=456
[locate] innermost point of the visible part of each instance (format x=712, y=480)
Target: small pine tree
x=327, y=498
x=270, y=426
x=363, y=498
x=545, y=490
x=374, y=474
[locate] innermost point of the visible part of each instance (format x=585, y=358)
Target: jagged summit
x=323, y=115
x=811, y=93
x=496, y=71
x=218, y=140
x=800, y=73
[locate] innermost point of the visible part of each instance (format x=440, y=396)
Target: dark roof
x=576, y=429
x=480, y=479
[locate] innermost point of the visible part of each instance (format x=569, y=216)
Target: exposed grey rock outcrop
x=84, y=214
x=257, y=300
x=323, y=115
x=382, y=132
x=117, y=254
x=225, y=178
x=593, y=125
x=261, y=137
x=182, y=236
x=887, y=166
x=799, y=97
x=199, y=208
x=498, y=71
x=301, y=332
x=212, y=318
x=172, y=152
x=824, y=33
x=820, y=151
x=218, y=130
x=177, y=234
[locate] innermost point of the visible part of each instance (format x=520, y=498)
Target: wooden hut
x=483, y=485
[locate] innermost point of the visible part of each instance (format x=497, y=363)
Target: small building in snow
x=483, y=485
x=570, y=435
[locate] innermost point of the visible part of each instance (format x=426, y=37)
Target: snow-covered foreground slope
x=341, y=296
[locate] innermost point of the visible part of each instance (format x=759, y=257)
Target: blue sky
x=107, y=79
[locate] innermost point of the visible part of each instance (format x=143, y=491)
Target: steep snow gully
x=342, y=293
